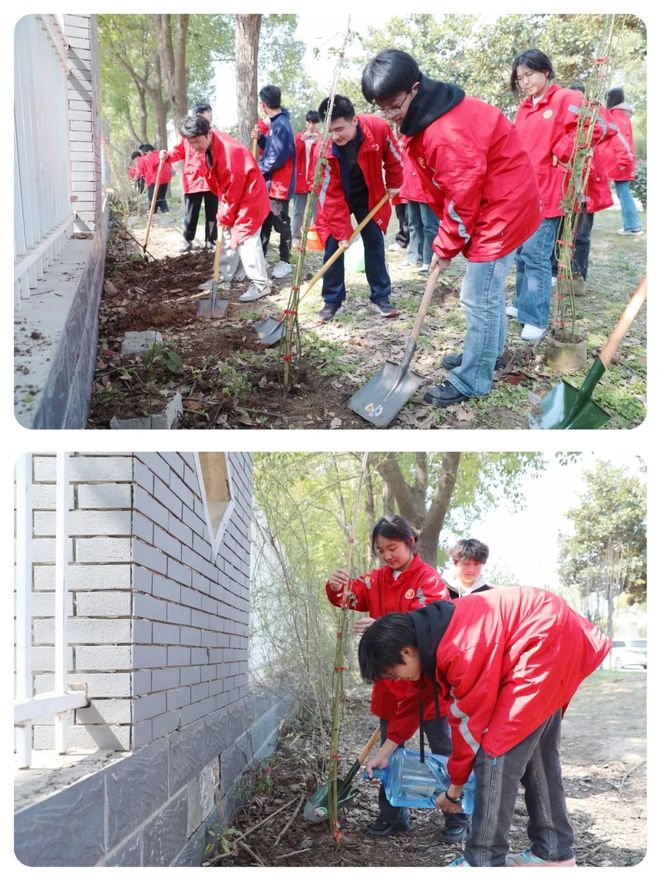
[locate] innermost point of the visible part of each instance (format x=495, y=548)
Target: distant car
x=628, y=652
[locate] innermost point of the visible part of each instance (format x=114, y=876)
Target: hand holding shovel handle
x=624, y=323
x=254, y=147
x=154, y=199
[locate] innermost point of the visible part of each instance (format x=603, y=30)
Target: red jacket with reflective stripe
x=305, y=176
x=378, y=154
x=378, y=593
x=236, y=180
x=619, y=152
x=195, y=177
x=507, y=661
x=148, y=168
x=479, y=181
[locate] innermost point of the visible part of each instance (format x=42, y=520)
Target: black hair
x=202, y=107
x=135, y=154
x=146, y=148
x=535, y=60
x=312, y=116
x=390, y=72
x=382, y=643
x=271, y=96
x=469, y=548
x=577, y=86
x=394, y=527
x=194, y=126
x=614, y=96
x=341, y=109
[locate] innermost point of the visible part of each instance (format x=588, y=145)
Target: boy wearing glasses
x=362, y=152
x=481, y=185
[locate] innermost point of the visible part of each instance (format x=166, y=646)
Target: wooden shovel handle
x=340, y=250
x=424, y=305
x=254, y=147
x=154, y=199
x=623, y=324
x=218, y=255
x=369, y=746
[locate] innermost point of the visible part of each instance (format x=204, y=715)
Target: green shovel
x=566, y=407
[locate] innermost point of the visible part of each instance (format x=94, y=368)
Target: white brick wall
x=158, y=627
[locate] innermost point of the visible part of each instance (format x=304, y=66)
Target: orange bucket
x=314, y=242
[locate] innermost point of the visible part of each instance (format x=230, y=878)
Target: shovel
x=393, y=385
x=568, y=407
x=213, y=307
x=271, y=330
x=152, y=209
x=316, y=808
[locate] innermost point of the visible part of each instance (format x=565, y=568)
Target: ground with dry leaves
x=227, y=379
x=604, y=763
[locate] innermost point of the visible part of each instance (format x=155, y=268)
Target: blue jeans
x=582, y=230
x=534, y=762
x=423, y=225
x=629, y=215
x=334, y=288
x=534, y=274
x=482, y=295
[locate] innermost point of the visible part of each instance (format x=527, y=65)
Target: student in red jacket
x=134, y=174
x=278, y=166
x=546, y=121
x=195, y=182
x=304, y=142
x=480, y=184
x=508, y=662
x=622, y=168
x=362, y=159
x=403, y=583
x=243, y=202
x=148, y=168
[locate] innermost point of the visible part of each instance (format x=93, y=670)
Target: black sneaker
x=381, y=828
x=454, y=834
x=385, y=308
x=444, y=394
x=328, y=312
x=451, y=361
x=186, y=247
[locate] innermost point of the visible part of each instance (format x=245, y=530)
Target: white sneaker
x=530, y=333
x=639, y=231
x=512, y=311
x=527, y=859
x=554, y=280
x=282, y=270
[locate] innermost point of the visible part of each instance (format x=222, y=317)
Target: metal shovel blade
x=385, y=393
x=270, y=330
x=564, y=408
x=315, y=810
x=209, y=307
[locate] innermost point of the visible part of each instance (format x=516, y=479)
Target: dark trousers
x=438, y=737
x=193, y=205
x=279, y=220
x=402, y=237
x=534, y=762
x=334, y=287
x=161, y=201
x=580, y=263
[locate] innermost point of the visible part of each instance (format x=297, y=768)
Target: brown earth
x=604, y=763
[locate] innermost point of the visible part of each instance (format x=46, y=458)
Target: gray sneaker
x=385, y=308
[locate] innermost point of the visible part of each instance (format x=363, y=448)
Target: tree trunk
x=172, y=55
x=247, y=52
x=160, y=107
x=411, y=500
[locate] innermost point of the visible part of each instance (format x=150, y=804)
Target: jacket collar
x=544, y=99
x=432, y=101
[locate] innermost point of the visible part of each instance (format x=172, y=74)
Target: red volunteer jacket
x=547, y=129
x=236, y=180
x=619, y=152
x=378, y=152
x=195, y=177
x=508, y=659
x=413, y=189
x=479, y=182
x=133, y=173
x=304, y=175
x=148, y=168
x=378, y=593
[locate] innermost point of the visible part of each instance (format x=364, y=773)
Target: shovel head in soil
x=316, y=808
x=385, y=393
x=270, y=330
x=212, y=307
x=566, y=407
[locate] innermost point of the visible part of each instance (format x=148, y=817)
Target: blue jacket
x=278, y=160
